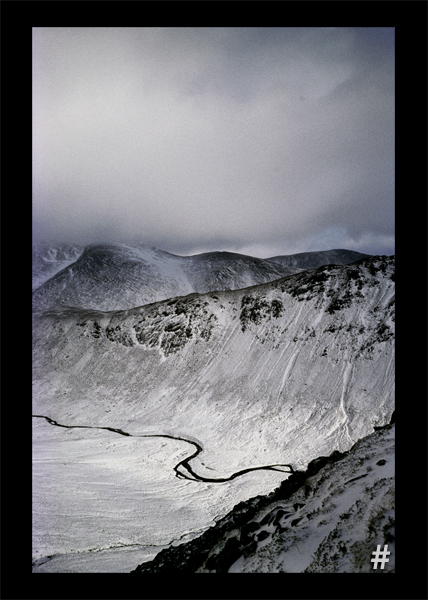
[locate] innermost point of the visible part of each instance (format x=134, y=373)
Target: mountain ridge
x=277, y=373
x=48, y=258
x=114, y=277
x=315, y=259
x=120, y=276
x=312, y=335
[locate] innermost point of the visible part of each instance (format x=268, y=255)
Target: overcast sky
x=263, y=141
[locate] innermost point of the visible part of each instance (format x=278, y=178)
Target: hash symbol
x=380, y=556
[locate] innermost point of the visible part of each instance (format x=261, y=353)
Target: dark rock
x=247, y=530
x=255, y=309
x=356, y=478
x=315, y=465
x=96, y=330
x=381, y=462
x=280, y=529
x=262, y=535
x=279, y=516
x=290, y=485
x=249, y=549
x=230, y=553
x=211, y=563
x=191, y=556
x=266, y=519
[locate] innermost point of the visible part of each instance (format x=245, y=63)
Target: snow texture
x=327, y=519
x=120, y=276
x=282, y=372
x=49, y=258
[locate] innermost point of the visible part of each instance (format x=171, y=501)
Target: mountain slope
x=327, y=519
x=277, y=373
x=313, y=260
x=49, y=258
x=119, y=276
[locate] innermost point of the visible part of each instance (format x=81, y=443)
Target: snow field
x=95, y=491
x=280, y=390
x=332, y=523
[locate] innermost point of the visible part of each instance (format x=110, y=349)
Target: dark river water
x=183, y=468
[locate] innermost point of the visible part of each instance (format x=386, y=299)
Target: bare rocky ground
x=327, y=519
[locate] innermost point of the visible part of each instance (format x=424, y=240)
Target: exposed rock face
x=294, y=358
x=278, y=373
x=337, y=522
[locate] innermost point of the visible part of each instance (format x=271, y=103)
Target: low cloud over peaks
x=217, y=138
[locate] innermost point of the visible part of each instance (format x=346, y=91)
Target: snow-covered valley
x=278, y=373
x=326, y=519
x=104, y=502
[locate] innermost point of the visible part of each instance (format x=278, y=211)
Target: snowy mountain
x=327, y=519
x=313, y=260
x=50, y=257
x=278, y=373
x=307, y=357
x=119, y=276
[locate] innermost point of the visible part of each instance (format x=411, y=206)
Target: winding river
x=188, y=473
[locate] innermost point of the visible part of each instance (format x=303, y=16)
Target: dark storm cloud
x=258, y=140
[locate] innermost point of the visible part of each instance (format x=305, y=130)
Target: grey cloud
x=215, y=138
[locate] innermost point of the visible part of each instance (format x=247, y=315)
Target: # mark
x=380, y=556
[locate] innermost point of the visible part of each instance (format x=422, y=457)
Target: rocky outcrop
x=271, y=357
x=121, y=276
x=263, y=532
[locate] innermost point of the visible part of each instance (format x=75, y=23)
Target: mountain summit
x=226, y=384
x=313, y=260
x=51, y=257
x=307, y=361
x=119, y=276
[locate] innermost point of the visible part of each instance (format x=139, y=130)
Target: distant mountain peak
x=312, y=260
x=283, y=372
x=121, y=276
x=114, y=276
